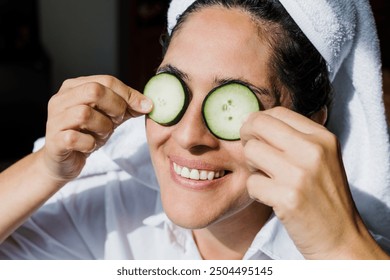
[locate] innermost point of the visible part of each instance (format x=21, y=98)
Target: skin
x=284, y=162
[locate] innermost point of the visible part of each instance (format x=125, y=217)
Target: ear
x=320, y=116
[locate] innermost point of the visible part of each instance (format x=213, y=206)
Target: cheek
x=235, y=153
x=241, y=171
x=156, y=134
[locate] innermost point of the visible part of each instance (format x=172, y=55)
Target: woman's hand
x=81, y=118
x=298, y=171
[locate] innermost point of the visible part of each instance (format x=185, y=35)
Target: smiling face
x=214, y=45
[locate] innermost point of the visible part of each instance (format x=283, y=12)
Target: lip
x=195, y=164
x=197, y=185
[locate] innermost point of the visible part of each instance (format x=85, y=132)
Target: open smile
x=197, y=174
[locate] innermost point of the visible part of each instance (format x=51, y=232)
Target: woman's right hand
x=81, y=118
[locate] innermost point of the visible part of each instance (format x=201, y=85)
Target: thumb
x=138, y=104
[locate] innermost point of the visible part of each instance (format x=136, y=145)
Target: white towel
x=344, y=33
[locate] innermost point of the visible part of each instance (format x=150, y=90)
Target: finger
x=138, y=103
x=270, y=130
x=74, y=141
x=295, y=120
x=262, y=156
x=82, y=118
x=263, y=189
x=91, y=94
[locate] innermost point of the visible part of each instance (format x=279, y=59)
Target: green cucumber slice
x=226, y=106
x=169, y=96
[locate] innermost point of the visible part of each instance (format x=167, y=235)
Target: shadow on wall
x=42, y=43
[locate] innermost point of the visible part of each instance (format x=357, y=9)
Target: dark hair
x=296, y=64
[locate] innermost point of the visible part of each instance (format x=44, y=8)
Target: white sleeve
x=56, y=232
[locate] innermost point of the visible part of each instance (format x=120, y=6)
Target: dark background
x=30, y=72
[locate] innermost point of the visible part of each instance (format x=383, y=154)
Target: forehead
x=221, y=42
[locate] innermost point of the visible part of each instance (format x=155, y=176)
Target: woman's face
x=212, y=46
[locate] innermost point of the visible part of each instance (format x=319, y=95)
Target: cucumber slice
x=169, y=96
x=226, y=106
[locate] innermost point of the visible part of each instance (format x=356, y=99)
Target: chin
x=190, y=221
x=188, y=215
x=195, y=214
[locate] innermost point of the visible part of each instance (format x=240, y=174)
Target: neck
x=231, y=237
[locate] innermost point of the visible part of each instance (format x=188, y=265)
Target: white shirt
x=108, y=216
x=113, y=211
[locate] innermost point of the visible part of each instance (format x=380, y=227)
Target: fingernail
x=146, y=105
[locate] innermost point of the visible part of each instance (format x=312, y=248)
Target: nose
x=191, y=132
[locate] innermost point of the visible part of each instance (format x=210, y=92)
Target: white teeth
x=196, y=174
x=203, y=175
x=185, y=172
x=210, y=175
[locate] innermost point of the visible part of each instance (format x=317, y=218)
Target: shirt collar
x=272, y=240
x=179, y=236
x=128, y=149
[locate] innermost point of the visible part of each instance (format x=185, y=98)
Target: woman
x=286, y=163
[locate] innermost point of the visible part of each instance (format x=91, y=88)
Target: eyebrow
x=255, y=89
x=173, y=70
x=168, y=68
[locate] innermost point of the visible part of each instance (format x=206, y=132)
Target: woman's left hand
x=298, y=171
